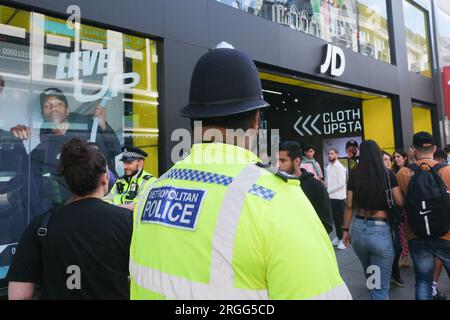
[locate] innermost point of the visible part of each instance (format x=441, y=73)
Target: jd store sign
x=334, y=61
x=333, y=120
x=342, y=122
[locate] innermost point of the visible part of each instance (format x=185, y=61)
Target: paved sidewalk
x=352, y=272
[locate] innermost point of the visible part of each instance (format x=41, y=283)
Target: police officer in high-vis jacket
x=221, y=225
x=127, y=189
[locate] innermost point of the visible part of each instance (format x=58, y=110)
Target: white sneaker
x=335, y=241
x=341, y=245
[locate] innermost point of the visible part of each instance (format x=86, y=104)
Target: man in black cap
x=127, y=189
x=60, y=126
x=424, y=250
x=352, y=150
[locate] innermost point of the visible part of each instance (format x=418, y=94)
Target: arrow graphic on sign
x=296, y=124
x=304, y=125
x=314, y=122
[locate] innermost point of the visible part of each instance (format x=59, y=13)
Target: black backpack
x=428, y=203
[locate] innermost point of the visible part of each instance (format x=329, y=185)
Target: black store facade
x=333, y=71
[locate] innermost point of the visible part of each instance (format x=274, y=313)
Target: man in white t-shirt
x=335, y=179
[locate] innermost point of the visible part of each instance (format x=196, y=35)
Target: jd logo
x=74, y=280
x=374, y=277
x=333, y=56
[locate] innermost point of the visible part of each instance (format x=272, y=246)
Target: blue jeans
x=372, y=243
x=422, y=254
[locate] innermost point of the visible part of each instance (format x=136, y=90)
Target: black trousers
x=337, y=207
x=395, y=229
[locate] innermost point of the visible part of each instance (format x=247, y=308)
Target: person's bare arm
x=21, y=290
x=100, y=112
x=348, y=215
x=398, y=196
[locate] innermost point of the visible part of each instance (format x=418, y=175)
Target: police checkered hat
x=132, y=153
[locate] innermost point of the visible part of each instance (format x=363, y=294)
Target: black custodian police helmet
x=225, y=82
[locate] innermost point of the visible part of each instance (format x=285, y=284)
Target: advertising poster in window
x=60, y=80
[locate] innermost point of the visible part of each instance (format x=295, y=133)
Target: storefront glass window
x=59, y=81
x=443, y=30
x=443, y=33
x=360, y=25
x=417, y=39
x=422, y=118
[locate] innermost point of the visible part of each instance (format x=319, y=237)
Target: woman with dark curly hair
x=80, y=250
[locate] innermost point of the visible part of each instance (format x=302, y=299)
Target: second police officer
x=126, y=190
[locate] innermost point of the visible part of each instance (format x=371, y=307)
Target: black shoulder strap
x=438, y=166
x=389, y=195
x=388, y=179
x=276, y=171
x=414, y=167
x=438, y=177
x=43, y=228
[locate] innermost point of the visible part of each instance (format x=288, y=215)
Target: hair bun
x=81, y=166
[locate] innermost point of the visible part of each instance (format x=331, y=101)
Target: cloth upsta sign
x=342, y=122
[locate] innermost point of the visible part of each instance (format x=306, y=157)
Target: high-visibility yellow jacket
x=218, y=226
x=127, y=190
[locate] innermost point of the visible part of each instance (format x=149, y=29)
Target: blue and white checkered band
x=132, y=155
x=197, y=175
x=214, y=178
x=262, y=192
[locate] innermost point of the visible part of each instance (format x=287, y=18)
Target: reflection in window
x=56, y=83
x=443, y=30
x=361, y=26
x=417, y=39
x=14, y=168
